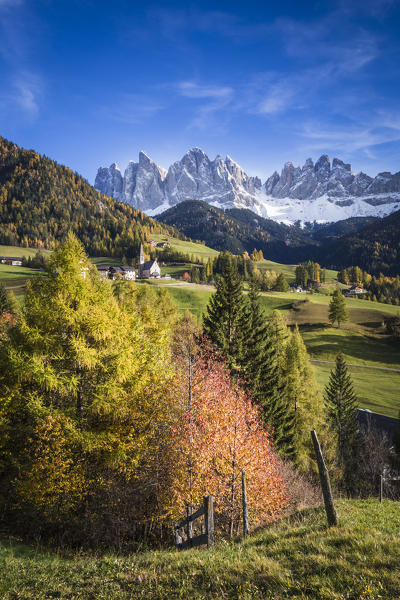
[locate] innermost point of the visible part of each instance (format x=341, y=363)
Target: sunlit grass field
x=296, y=558
x=192, y=248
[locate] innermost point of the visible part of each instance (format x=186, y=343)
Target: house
x=104, y=270
x=370, y=420
x=15, y=261
x=111, y=272
x=149, y=269
x=356, y=290
x=129, y=273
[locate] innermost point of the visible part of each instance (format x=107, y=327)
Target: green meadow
x=295, y=558
x=198, y=250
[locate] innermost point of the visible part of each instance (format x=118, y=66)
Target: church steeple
x=141, y=255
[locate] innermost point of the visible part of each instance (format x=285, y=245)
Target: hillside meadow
x=297, y=557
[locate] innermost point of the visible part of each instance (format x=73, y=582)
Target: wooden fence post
x=325, y=482
x=380, y=488
x=189, y=522
x=209, y=519
x=246, y=530
x=178, y=539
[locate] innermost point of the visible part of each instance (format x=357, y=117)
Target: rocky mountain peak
x=293, y=194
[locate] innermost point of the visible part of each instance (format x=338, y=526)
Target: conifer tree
x=270, y=390
x=303, y=398
x=80, y=391
x=224, y=321
x=341, y=402
x=8, y=302
x=337, y=308
x=281, y=284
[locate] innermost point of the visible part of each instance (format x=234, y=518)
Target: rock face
x=322, y=191
x=110, y=181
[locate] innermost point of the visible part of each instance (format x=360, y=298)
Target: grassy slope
x=289, y=270
x=17, y=251
x=198, y=250
x=294, y=558
x=361, y=340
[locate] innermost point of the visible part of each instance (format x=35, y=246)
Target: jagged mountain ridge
x=322, y=192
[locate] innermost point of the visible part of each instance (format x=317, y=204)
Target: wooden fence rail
x=207, y=537
x=382, y=480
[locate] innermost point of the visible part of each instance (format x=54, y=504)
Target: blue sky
x=89, y=82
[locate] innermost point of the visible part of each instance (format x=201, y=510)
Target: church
x=149, y=269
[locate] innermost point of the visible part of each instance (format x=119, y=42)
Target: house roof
x=367, y=419
x=11, y=258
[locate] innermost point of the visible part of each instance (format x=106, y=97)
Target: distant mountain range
x=324, y=192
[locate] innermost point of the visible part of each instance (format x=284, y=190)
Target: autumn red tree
x=217, y=433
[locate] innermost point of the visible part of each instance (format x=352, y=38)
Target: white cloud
x=131, y=109
x=354, y=138
x=28, y=91
x=190, y=89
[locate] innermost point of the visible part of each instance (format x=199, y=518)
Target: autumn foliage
x=109, y=426
x=217, y=433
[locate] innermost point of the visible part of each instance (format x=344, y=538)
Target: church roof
x=149, y=264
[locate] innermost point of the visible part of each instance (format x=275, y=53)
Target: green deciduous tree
x=337, y=308
x=8, y=303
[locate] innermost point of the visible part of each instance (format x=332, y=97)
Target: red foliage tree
x=218, y=432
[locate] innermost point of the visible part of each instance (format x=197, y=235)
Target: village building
x=148, y=269
x=111, y=272
x=15, y=261
x=356, y=290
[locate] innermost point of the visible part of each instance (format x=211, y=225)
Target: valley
x=363, y=340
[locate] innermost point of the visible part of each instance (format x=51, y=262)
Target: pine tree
x=8, y=303
x=281, y=284
x=337, y=308
x=303, y=397
x=342, y=412
x=269, y=390
x=224, y=322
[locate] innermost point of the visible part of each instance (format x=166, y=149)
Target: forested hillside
x=238, y=230
x=375, y=248
x=40, y=201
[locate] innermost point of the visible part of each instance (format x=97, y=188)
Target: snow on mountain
x=323, y=191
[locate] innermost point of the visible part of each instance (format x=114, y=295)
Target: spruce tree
x=8, y=303
x=337, y=308
x=270, y=392
x=341, y=402
x=281, y=284
x=303, y=397
x=264, y=346
x=225, y=320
